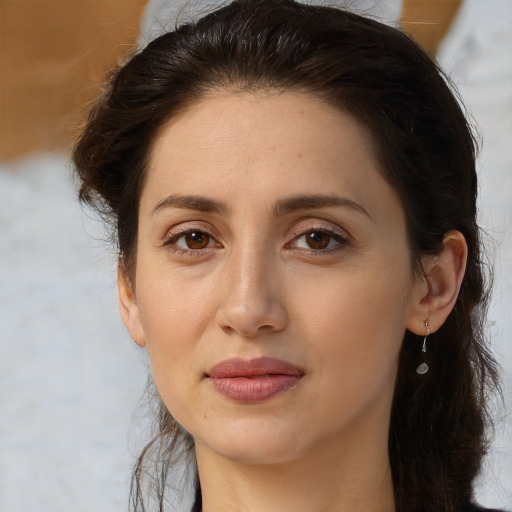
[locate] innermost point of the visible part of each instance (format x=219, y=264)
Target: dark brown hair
x=426, y=152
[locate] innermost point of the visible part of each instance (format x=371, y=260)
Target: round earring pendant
x=422, y=369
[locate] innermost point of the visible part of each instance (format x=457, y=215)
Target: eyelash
x=342, y=241
x=171, y=241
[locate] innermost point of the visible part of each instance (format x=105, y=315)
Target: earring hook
x=423, y=367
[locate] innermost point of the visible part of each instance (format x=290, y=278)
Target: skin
x=253, y=286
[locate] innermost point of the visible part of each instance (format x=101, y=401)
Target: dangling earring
x=423, y=367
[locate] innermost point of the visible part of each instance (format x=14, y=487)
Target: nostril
x=251, y=315
x=246, y=331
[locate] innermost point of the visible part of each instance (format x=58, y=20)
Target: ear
x=129, y=308
x=436, y=295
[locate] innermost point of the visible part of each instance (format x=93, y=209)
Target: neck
x=356, y=478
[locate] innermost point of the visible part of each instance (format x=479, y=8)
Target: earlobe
x=443, y=275
x=129, y=308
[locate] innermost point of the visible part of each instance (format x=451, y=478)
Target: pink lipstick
x=254, y=380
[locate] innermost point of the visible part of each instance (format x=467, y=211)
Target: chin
x=254, y=442
x=261, y=454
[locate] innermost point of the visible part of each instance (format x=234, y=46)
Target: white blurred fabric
x=70, y=377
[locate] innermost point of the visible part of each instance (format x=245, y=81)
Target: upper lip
x=240, y=367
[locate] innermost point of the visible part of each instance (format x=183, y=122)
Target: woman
x=292, y=189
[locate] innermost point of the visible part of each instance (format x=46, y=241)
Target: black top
x=472, y=507
x=468, y=505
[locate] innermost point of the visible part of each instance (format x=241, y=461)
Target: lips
x=254, y=380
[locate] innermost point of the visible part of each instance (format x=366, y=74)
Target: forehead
x=256, y=135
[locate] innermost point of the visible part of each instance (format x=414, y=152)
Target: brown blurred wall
x=428, y=21
x=54, y=55
x=53, y=58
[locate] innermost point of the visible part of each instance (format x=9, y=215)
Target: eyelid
x=176, y=232
x=340, y=235
x=301, y=227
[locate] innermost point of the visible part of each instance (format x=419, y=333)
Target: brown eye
x=317, y=239
x=321, y=241
x=196, y=240
x=191, y=241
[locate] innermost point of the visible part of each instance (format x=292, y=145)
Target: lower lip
x=254, y=389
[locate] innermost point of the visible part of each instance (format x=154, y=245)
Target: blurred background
x=70, y=378
x=54, y=56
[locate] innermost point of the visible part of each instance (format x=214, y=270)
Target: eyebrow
x=198, y=203
x=311, y=202
x=282, y=207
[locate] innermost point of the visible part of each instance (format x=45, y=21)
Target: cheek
x=356, y=324
x=174, y=316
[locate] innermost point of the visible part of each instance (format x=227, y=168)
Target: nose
x=252, y=301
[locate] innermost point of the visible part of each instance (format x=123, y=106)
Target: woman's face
x=273, y=280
